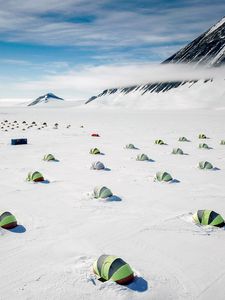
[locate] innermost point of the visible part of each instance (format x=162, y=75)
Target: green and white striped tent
x=177, y=151
x=208, y=217
x=142, y=157
x=202, y=136
x=7, y=220
x=102, y=192
x=130, y=146
x=49, y=157
x=35, y=176
x=222, y=142
x=203, y=146
x=97, y=165
x=183, y=139
x=159, y=142
x=163, y=176
x=110, y=267
x=95, y=151
x=205, y=165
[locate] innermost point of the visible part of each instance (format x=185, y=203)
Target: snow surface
x=62, y=230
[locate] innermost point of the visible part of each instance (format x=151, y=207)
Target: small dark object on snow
x=18, y=141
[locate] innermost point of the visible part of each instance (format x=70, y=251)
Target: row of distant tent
x=201, y=217
x=15, y=125
x=144, y=157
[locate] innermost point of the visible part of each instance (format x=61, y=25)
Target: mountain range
x=208, y=50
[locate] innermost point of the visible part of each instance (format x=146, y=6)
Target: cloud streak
x=53, y=22
x=89, y=80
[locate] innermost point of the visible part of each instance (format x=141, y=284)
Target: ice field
x=62, y=230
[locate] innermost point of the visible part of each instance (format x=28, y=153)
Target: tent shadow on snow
x=174, y=181
x=46, y=181
x=113, y=198
x=216, y=169
x=139, y=284
x=18, y=229
x=107, y=169
x=150, y=160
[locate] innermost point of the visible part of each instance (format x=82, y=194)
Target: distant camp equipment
x=35, y=176
x=208, y=217
x=222, y=142
x=177, y=151
x=205, y=165
x=159, y=142
x=97, y=166
x=163, y=176
x=202, y=136
x=95, y=135
x=18, y=141
x=183, y=139
x=110, y=267
x=95, y=151
x=142, y=157
x=49, y=157
x=102, y=192
x=203, y=146
x=7, y=220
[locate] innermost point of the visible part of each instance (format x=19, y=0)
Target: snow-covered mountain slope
x=199, y=94
x=207, y=50
x=50, y=97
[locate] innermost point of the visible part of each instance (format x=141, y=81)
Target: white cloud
x=31, y=21
x=87, y=81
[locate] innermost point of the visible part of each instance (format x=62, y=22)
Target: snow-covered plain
x=62, y=231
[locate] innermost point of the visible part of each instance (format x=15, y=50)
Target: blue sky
x=40, y=40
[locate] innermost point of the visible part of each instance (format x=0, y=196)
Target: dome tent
x=222, y=142
x=183, y=139
x=159, y=142
x=35, y=176
x=205, y=165
x=110, y=267
x=97, y=165
x=203, y=146
x=202, y=136
x=130, y=146
x=49, y=157
x=102, y=192
x=142, y=157
x=7, y=220
x=163, y=176
x=208, y=217
x=95, y=151
x=177, y=151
